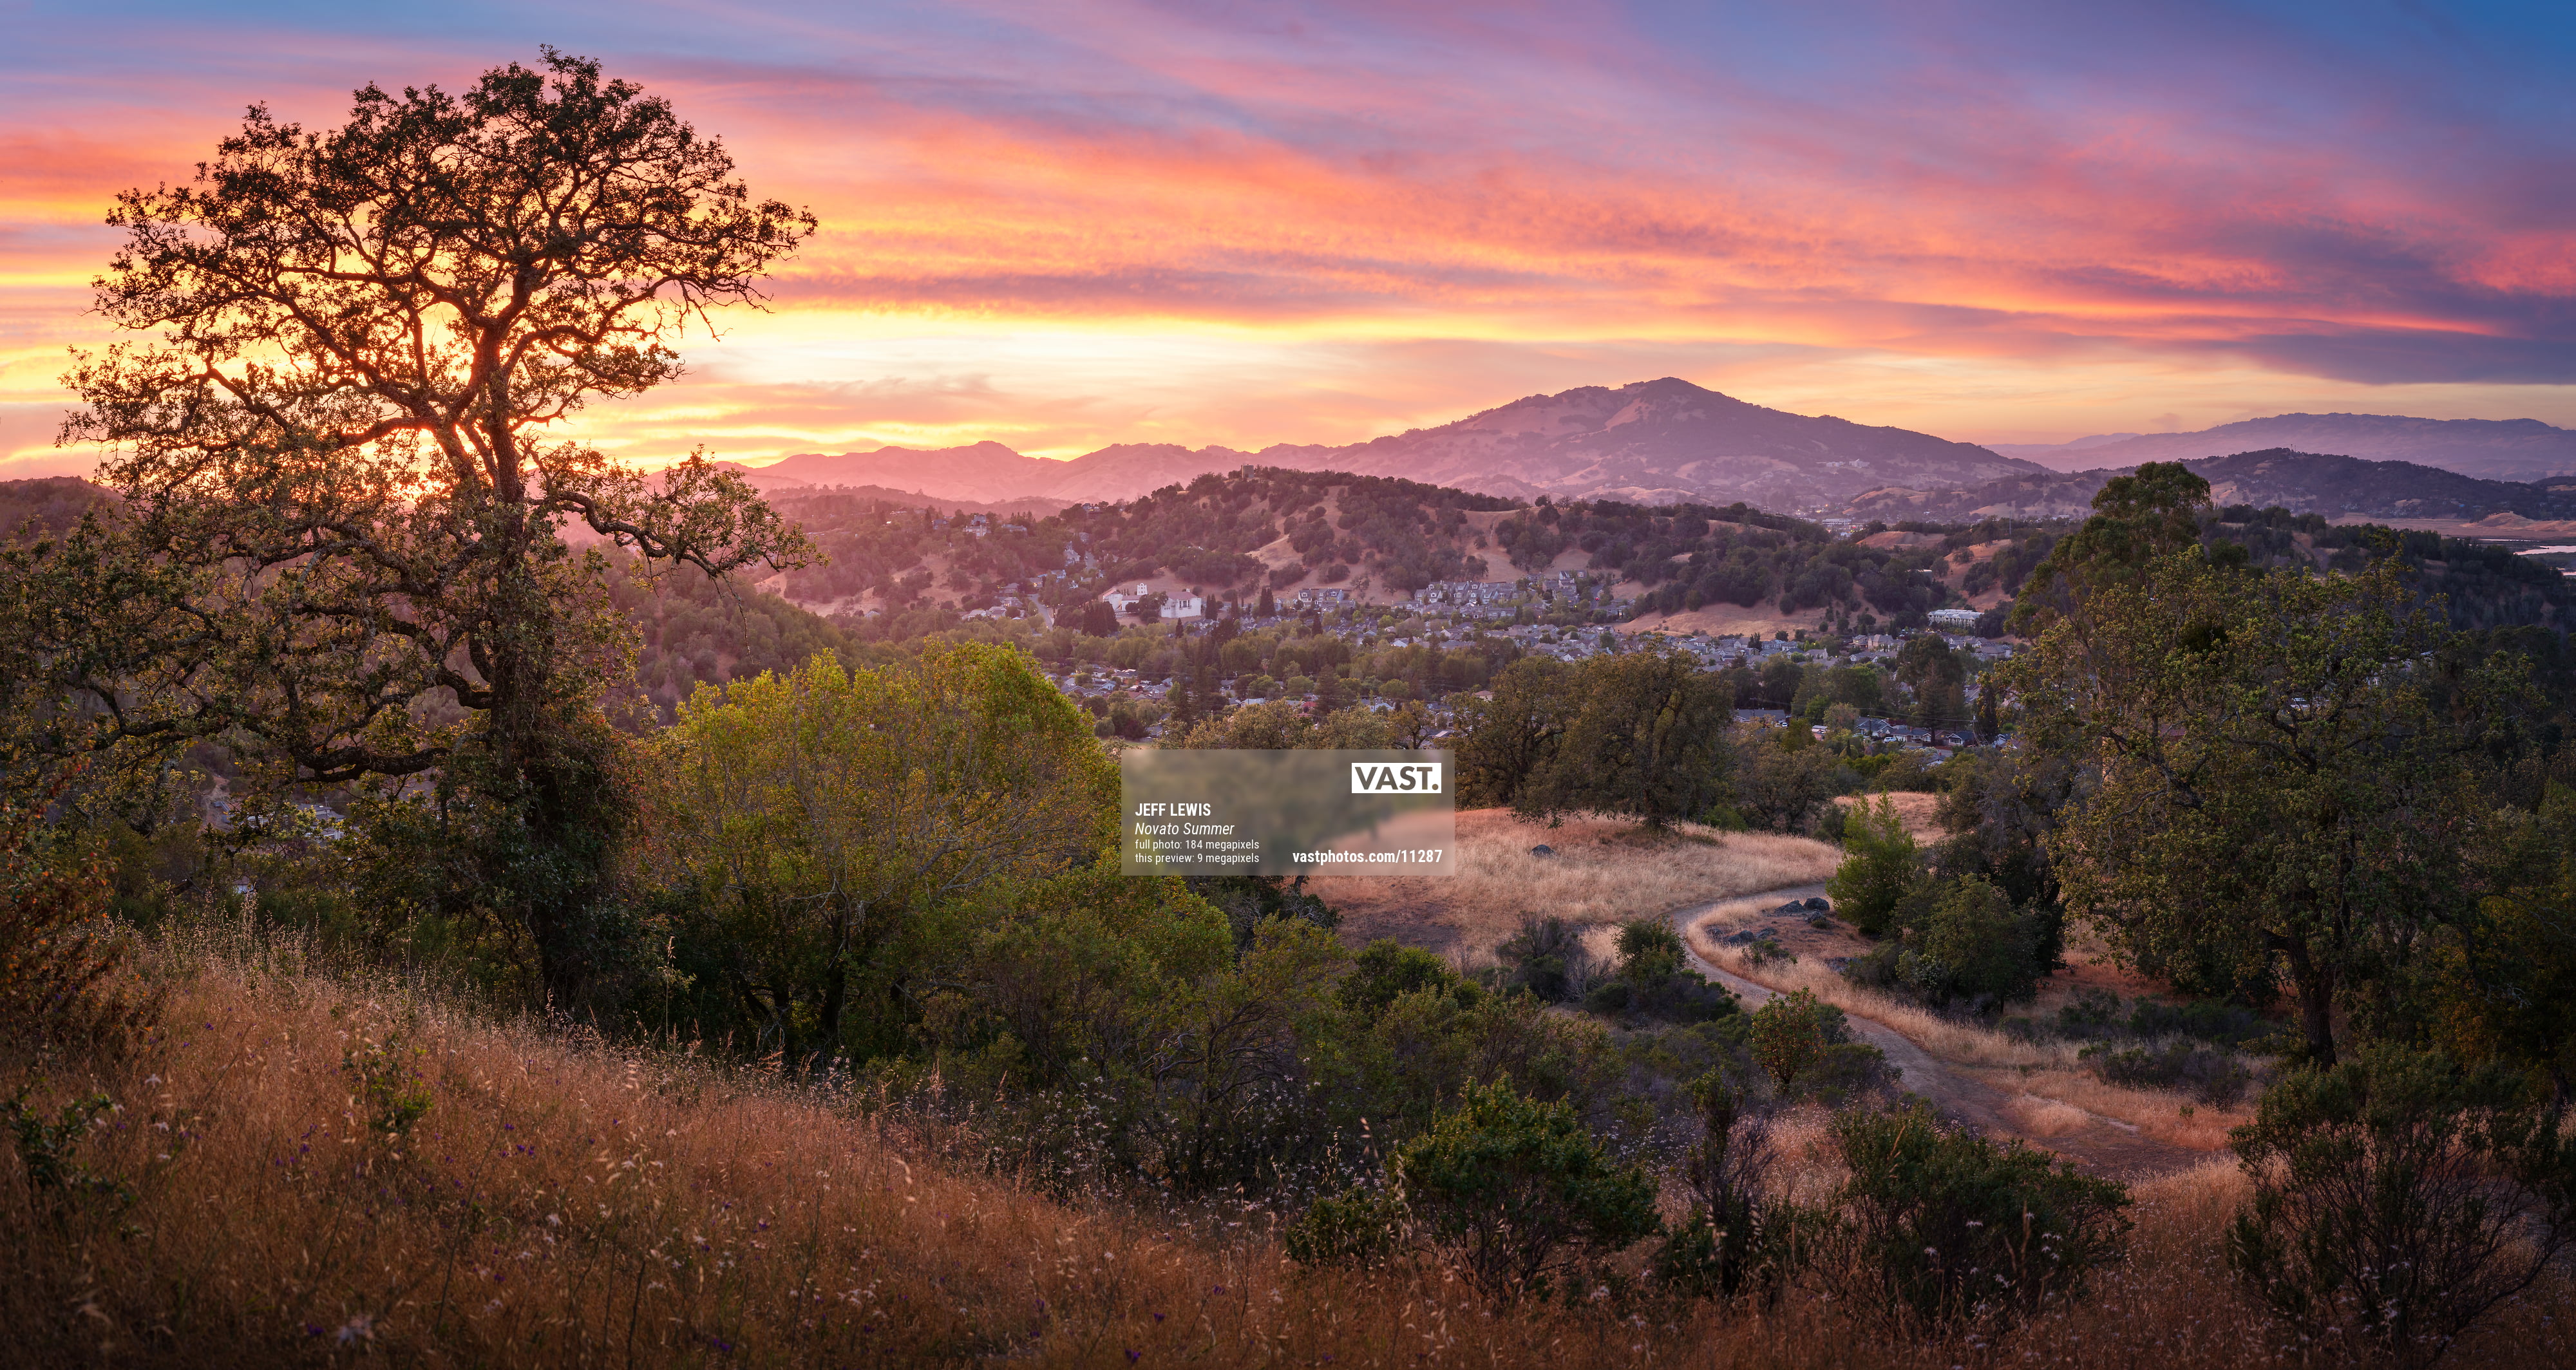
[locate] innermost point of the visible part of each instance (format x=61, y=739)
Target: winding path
x=2100, y=1144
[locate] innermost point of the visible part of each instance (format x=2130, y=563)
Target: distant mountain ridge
x=2301, y=482
x=1650, y=442
x=2494, y=449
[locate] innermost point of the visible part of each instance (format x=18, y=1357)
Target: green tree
x=1517, y=1192
x=2150, y=513
x=341, y=510
x=1781, y=778
x=2277, y=789
x=1648, y=742
x=822, y=816
x=1972, y=944
x=1880, y=867
x=1508, y=742
x=1934, y=675
x=2504, y=987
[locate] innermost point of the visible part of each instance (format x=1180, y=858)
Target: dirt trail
x=2101, y=1145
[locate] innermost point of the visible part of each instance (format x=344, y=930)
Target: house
x=1954, y=620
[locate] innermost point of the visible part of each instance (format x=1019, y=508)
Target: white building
x=1174, y=606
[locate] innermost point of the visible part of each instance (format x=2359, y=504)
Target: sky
x=1066, y=224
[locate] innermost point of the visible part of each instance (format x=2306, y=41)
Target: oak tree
x=2273, y=787
x=346, y=544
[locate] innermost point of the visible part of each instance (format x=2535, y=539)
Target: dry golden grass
x=1918, y=811
x=2047, y=1071
x=572, y=1203
x=1604, y=871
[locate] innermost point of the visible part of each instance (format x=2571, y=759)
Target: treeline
x=1691, y=555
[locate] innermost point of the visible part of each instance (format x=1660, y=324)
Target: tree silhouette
x=343, y=550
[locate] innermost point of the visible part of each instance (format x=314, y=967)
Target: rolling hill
x=2301, y=482
x=2495, y=449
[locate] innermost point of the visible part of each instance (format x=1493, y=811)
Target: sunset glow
x=1061, y=226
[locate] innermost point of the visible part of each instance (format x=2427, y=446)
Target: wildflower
x=360, y=1328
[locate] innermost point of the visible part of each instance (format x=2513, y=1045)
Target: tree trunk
x=2316, y=998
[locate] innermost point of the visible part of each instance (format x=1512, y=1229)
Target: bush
x=1963, y=941
x=1975, y=946
x=1386, y=971
x=2398, y=1197
x=1732, y=1238
x=1940, y=1225
x=1881, y=866
x=2216, y=1078
x=2210, y=1020
x=1653, y=983
x=1547, y=958
x=1515, y=1192
x=59, y=959
x=1805, y=1046
x=1358, y=1227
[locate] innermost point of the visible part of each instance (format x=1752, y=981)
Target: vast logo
x=1395, y=777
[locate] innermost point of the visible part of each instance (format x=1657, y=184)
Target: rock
x=1792, y=909
x=1737, y=939
x=1820, y=923
x=1818, y=905
x=1542, y=849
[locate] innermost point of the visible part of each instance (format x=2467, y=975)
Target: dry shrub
x=1602, y=872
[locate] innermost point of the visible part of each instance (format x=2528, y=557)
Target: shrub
x=1547, y=958
x=1880, y=867
x=59, y=960
x=1358, y=1227
x=1788, y=1037
x=1975, y=946
x=2216, y=1078
x=2398, y=1197
x=1516, y=1192
x=387, y=1075
x=1653, y=982
x=2093, y=1013
x=1805, y=1046
x=2210, y=1020
x=1940, y=1225
x=57, y=1180
x=1732, y=1237
x=1386, y=971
